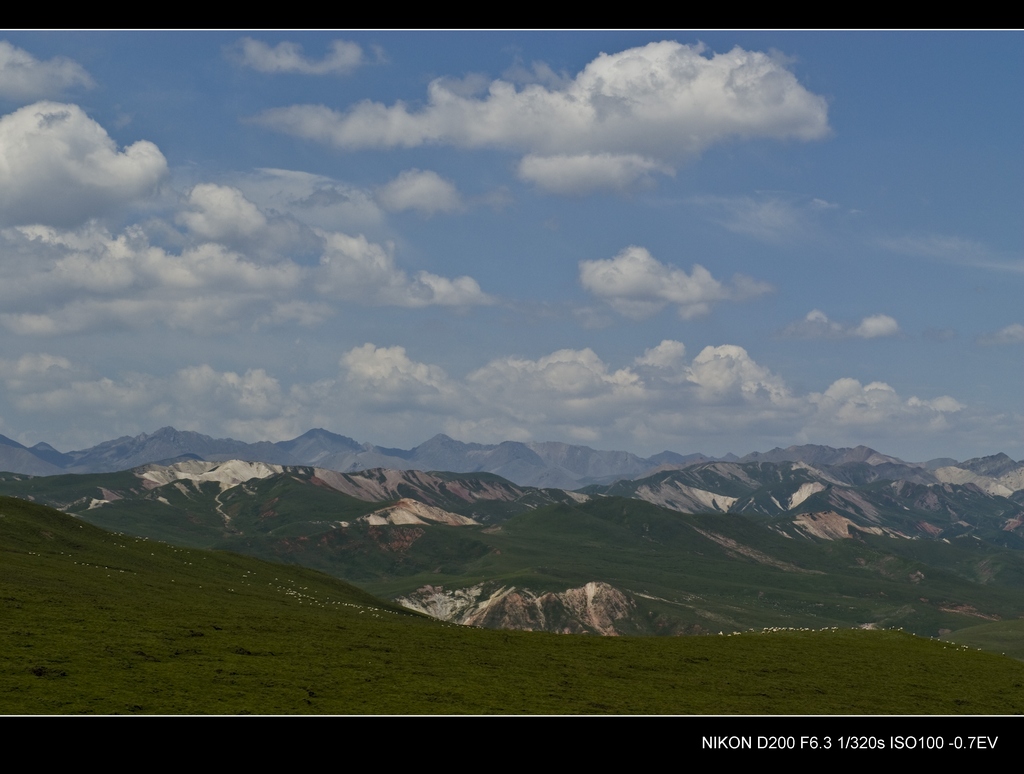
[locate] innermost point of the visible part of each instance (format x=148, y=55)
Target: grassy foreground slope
x=1006, y=637
x=96, y=622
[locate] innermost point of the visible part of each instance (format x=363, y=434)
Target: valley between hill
x=790, y=546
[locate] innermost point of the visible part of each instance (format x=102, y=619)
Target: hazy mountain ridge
x=870, y=490
x=21, y=459
x=537, y=464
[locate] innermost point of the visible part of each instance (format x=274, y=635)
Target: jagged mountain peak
x=816, y=454
x=994, y=465
x=323, y=441
x=442, y=441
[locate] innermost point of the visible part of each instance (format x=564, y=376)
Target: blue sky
x=715, y=241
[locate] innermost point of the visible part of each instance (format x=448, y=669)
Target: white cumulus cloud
x=817, y=325
x=725, y=372
x=637, y=285
x=421, y=190
x=22, y=76
x=287, y=57
x=219, y=212
x=720, y=395
x=387, y=376
x=355, y=269
x=876, y=326
x=59, y=167
x=667, y=355
x=623, y=116
x=569, y=392
x=238, y=265
x=583, y=173
x=91, y=279
x=848, y=402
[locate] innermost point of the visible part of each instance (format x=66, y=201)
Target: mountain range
x=857, y=538
x=547, y=464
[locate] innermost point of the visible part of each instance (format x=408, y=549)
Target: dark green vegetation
x=693, y=574
x=96, y=622
x=680, y=573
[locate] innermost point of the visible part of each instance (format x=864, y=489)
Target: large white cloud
x=637, y=285
x=22, y=76
x=59, y=167
x=287, y=57
x=575, y=394
x=623, y=116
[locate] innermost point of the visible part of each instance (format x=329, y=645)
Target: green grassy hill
x=98, y=622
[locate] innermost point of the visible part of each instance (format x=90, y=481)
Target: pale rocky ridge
x=1004, y=485
x=418, y=494
x=408, y=511
x=228, y=474
x=595, y=607
x=897, y=508
x=829, y=525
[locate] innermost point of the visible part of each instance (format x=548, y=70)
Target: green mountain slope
x=96, y=622
x=656, y=570
x=693, y=573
